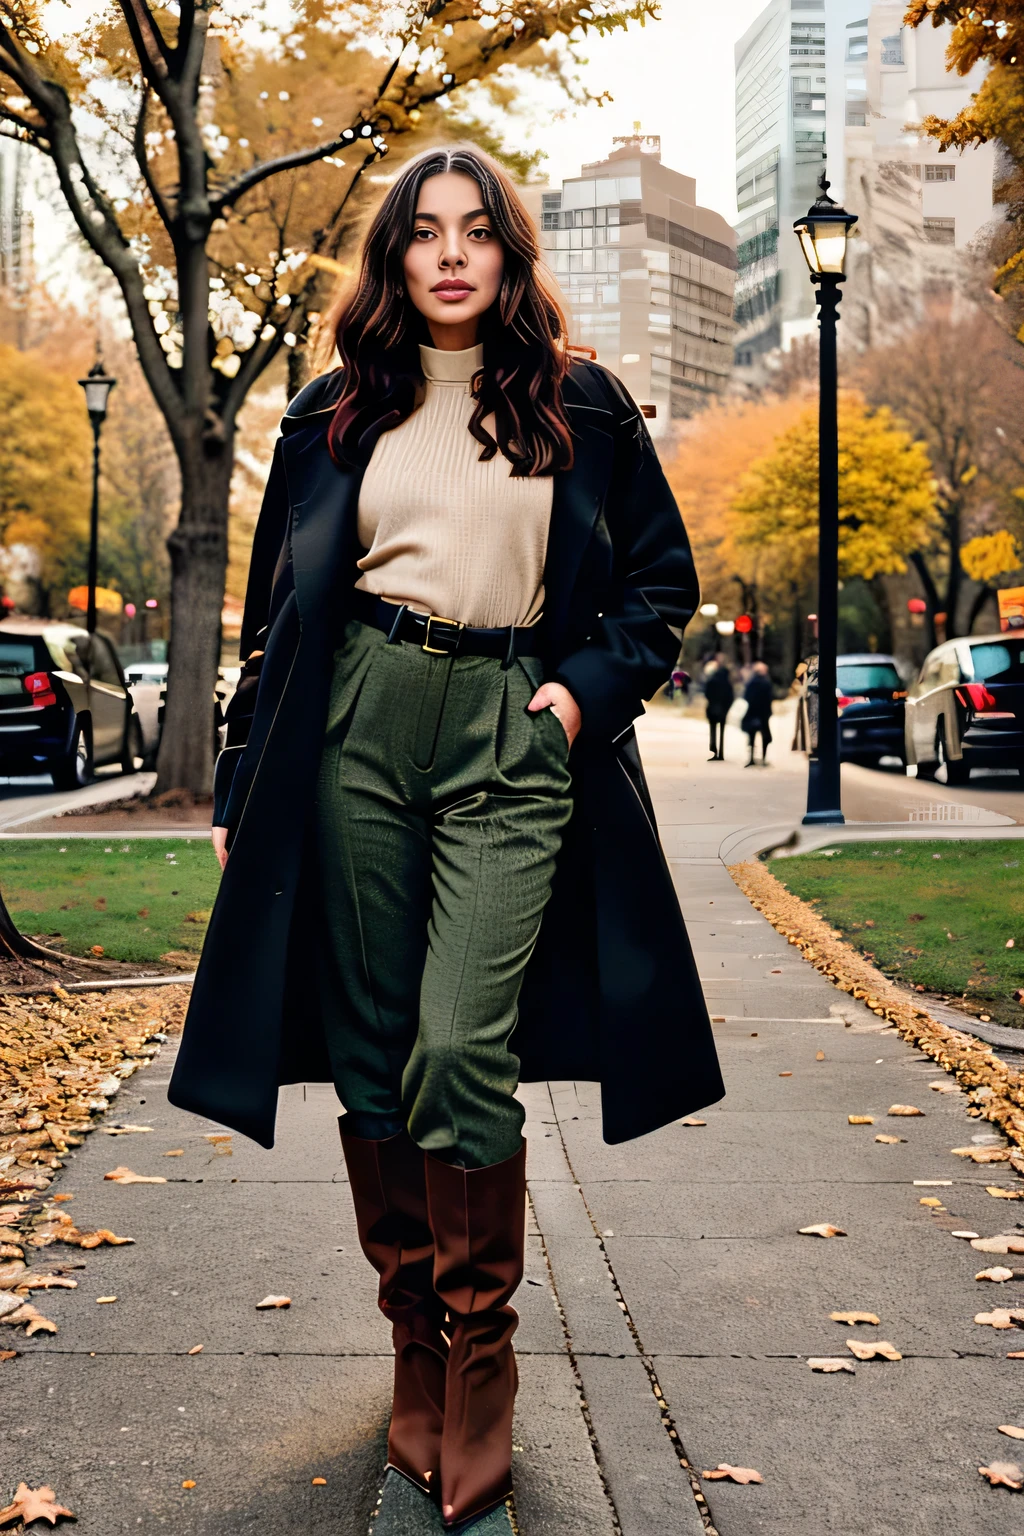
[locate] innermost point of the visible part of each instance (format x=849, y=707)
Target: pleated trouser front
x=440, y=809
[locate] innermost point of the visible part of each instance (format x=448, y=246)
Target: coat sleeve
x=269, y=558
x=634, y=643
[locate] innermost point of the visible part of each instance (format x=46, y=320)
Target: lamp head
x=823, y=231
x=97, y=388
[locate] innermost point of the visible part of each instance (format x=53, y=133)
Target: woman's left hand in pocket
x=557, y=698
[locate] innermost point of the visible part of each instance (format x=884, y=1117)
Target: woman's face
x=455, y=261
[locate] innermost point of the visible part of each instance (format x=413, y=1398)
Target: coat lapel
x=578, y=497
x=324, y=500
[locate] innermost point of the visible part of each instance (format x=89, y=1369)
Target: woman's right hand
x=219, y=838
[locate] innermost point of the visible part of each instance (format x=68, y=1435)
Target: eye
x=423, y=233
x=480, y=234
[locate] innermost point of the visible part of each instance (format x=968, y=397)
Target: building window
x=857, y=49
x=808, y=101
x=807, y=38
x=940, y=173
x=940, y=231
x=856, y=112
x=550, y=200
x=892, y=49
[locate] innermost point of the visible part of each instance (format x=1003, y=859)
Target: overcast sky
x=676, y=77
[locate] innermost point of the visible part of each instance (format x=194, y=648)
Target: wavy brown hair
x=523, y=333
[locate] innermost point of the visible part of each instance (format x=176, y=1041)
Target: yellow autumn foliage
x=991, y=555
x=887, y=505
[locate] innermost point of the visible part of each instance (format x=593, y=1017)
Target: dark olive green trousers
x=440, y=809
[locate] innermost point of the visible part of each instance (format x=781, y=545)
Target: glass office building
x=647, y=276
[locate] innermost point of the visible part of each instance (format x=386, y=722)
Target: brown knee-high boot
x=390, y=1197
x=478, y=1218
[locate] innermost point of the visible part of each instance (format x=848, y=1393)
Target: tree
x=182, y=145
x=712, y=452
x=44, y=469
x=886, y=492
x=957, y=384
x=989, y=31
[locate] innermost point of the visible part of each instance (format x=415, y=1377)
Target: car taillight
x=40, y=686
x=842, y=699
x=984, y=703
x=900, y=693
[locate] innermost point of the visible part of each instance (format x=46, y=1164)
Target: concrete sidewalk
x=669, y=1309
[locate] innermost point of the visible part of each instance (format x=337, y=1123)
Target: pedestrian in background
x=719, y=693
x=757, y=720
x=399, y=799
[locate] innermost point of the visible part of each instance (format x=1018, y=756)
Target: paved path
x=669, y=1302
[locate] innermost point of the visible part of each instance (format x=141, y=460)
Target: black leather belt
x=443, y=637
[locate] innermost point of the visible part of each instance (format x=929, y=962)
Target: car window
x=17, y=657
x=858, y=679
x=998, y=661
x=58, y=655
x=104, y=668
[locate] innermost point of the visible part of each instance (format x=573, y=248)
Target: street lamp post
x=823, y=233
x=97, y=391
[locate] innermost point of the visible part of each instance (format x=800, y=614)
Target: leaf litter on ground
x=31, y=1504
x=734, y=1474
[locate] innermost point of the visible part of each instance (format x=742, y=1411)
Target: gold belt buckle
x=432, y=650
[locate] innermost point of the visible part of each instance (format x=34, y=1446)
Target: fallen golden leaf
x=319, y=1482
x=997, y=1273
x=822, y=1229
x=853, y=1317
x=1002, y=1194
x=26, y=1315
x=1007, y=1242
x=820, y=1056
x=178, y=1152
x=861, y=1119
x=8, y=1354
x=944, y=1087
x=1011, y=1430
x=830, y=1363
x=903, y=1109
x=1001, y=1317
x=932, y=1201
x=124, y=1175
x=32, y=1282
x=103, y=1300
x=1015, y=1354
x=693, y=1122
x=882, y=1350
x=890, y=1141
x=189, y=1483
x=102, y=1235
x=34, y=1504
x=983, y=1154
x=734, y=1474
x=196, y=1349
x=1004, y=1474
x=273, y=1301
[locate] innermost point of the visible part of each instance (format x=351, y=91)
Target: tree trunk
x=199, y=556
x=954, y=581
x=14, y=943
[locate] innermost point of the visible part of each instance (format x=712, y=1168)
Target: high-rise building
x=647, y=275
x=841, y=79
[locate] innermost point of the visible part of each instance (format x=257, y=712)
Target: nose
x=453, y=250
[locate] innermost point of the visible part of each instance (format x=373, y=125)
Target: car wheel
x=957, y=771
x=74, y=769
x=134, y=747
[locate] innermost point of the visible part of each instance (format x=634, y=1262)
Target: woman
x=467, y=575
x=757, y=720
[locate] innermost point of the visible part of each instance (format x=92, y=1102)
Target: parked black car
x=64, y=704
x=966, y=708
x=870, y=698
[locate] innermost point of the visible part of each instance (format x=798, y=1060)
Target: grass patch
x=138, y=898
x=930, y=914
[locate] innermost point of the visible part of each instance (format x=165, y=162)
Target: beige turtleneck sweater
x=444, y=532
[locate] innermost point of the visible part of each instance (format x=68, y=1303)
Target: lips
x=452, y=288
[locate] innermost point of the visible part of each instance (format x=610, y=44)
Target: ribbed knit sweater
x=444, y=532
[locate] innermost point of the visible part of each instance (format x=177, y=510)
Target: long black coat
x=611, y=993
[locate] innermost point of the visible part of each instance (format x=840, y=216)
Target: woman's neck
x=457, y=337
